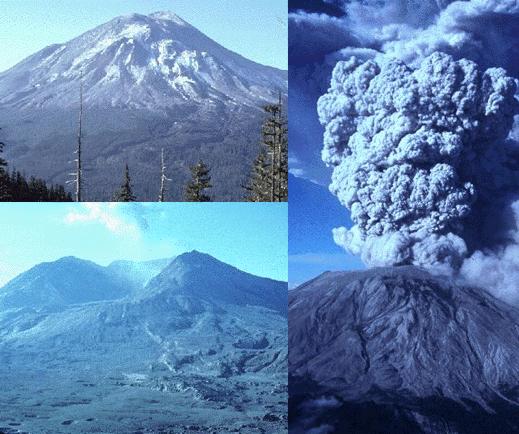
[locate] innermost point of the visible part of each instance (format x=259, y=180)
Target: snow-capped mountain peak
x=138, y=61
x=169, y=16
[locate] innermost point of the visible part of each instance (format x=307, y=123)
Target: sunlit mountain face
x=149, y=82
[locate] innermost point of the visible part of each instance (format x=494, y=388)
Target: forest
x=267, y=182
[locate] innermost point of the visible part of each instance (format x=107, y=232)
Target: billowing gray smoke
x=418, y=151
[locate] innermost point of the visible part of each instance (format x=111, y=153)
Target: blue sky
x=255, y=29
x=313, y=211
x=252, y=237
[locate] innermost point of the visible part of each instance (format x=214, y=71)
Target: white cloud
x=294, y=167
x=297, y=172
x=107, y=215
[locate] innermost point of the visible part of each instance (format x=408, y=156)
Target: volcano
x=149, y=82
x=395, y=350
x=199, y=347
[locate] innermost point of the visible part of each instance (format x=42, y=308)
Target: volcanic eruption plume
x=421, y=158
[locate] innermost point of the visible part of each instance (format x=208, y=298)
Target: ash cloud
x=484, y=31
x=413, y=150
x=480, y=30
x=420, y=134
x=495, y=266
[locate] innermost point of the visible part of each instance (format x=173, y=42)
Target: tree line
x=268, y=181
x=15, y=187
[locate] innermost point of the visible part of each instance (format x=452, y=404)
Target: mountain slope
x=149, y=82
x=200, y=275
x=397, y=349
x=173, y=358
x=71, y=280
x=195, y=295
x=64, y=282
x=136, y=61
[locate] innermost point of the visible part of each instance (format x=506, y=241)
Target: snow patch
x=53, y=77
x=138, y=73
x=113, y=72
x=130, y=32
x=97, y=49
x=55, y=54
x=169, y=16
x=135, y=31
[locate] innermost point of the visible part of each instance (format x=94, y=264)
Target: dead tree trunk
x=163, y=178
x=79, y=168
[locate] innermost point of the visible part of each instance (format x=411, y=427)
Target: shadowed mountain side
x=425, y=353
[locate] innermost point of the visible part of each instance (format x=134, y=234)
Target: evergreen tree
x=4, y=177
x=201, y=181
x=14, y=187
x=282, y=171
x=61, y=194
x=125, y=193
x=258, y=189
x=269, y=178
x=20, y=187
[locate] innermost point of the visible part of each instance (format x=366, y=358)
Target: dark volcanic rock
x=399, y=350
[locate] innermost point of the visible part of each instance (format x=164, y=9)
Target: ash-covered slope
x=199, y=275
x=181, y=359
x=149, y=82
x=197, y=304
x=60, y=283
x=72, y=280
x=399, y=350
